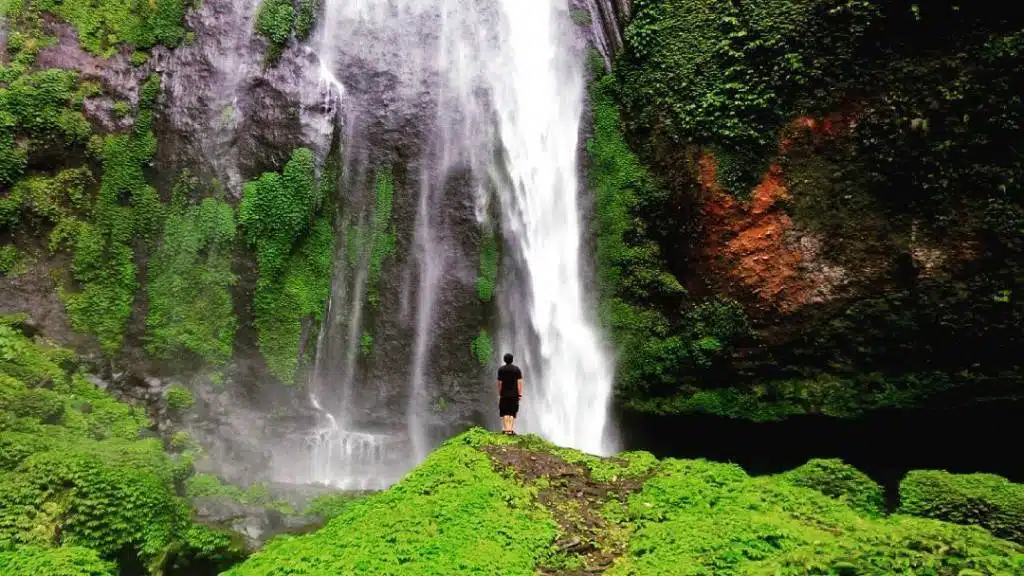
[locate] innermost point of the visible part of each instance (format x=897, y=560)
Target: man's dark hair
x=508, y=358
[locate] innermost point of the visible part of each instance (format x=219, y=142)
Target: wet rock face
x=226, y=115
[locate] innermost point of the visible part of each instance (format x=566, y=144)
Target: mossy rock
x=837, y=479
x=485, y=503
x=986, y=500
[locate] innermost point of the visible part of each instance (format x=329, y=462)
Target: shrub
x=274, y=21
x=986, y=500
x=66, y=561
x=104, y=24
x=74, y=474
x=180, y=399
x=836, y=479
x=482, y=348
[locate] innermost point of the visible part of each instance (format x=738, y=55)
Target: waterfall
x=538, y=90
x=488, y=94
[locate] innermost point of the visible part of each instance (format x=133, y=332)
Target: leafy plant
x=294, y=248
x=190, y=279
x=274, y=21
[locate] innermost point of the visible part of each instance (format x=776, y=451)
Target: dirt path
x=588, y=542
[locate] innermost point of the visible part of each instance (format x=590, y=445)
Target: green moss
x=366, y=344
x=257, y=494
x=189, y=286
x=986, y=500
x=727, y=75
x=294, y=258
x=300, y=294
x=452, y=515
x=580, y=17
x=274, y=21
x=103, y=25
x=180, y=399
x=663, y=340
x=8, y=258
x=139, y=58
x=306, y=20
x=483, y=348
x=382, y=235
x=455, y=515
x=835, y=478
x=38, y=112
x=488, y=275
x=329, y=506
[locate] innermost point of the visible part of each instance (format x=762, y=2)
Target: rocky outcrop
x=255, y=524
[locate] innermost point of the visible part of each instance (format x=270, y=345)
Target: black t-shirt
x=509, y=376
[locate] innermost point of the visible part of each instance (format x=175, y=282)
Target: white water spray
x=538, y=96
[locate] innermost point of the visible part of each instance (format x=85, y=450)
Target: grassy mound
x=487, y=504
x=983, y=499
x=835, y=478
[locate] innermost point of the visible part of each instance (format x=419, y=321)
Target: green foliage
x=455, y=515
x=103, y=25
x=488, y=276
x=210, y=486
x=483, y=348
x=180, y=399
x=452, y=515
x=294, y=249
x=274, y=21
x=8, y=258
x=728, y=75
x=987, y=500
x=67, y=561
x=663, y=343
x=139, y=58
x=277, y=209
x=897, y=179
x=78, y=487
x=38, y=112
x=835, y=478
x=126, y=208
x=300, y=294
x=366, y=344
x=330, y=506
x=306, y=20
x=382, y=236
x=701, y=517
x=190, y=280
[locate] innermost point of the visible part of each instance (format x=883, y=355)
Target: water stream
x=496, y=88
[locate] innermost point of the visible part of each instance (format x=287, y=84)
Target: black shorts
x=508, y=406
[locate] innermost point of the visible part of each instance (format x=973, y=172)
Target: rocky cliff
x=845, y=173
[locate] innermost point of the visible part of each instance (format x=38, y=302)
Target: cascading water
x=538, y=96
x=495, y=90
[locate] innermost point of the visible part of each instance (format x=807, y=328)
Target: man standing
x=510, y=390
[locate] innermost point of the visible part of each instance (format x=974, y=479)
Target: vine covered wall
x=847, y=172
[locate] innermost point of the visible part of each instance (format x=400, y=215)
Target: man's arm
x=520, y=385
x=499, y=387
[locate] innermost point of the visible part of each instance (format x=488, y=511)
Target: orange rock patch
x=750, y=244
x=747, y=243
